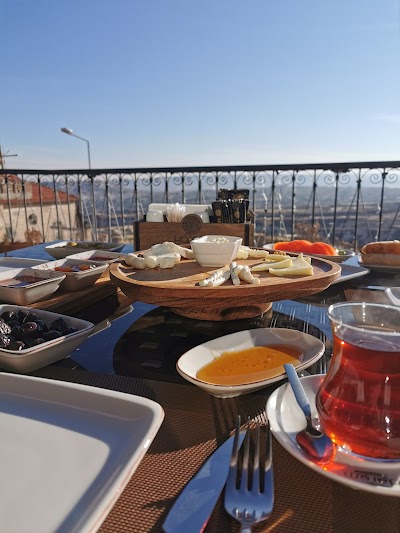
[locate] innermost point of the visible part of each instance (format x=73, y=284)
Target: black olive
x=29, y=329
x=9, y=315
x=4, y=327
x=59, y=325
x=31, y=317
x=17, y=332
x=16, y=346
x=51, y=335
x=41, y=325
x=21, y=315
x=4, y=340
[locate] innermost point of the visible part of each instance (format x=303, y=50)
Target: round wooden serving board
x=177, y=288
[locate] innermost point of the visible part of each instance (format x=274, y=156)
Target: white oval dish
x=192, y=361
x=48, y=352
x=47, y=283
x=343, y=254
x=286, y=420
x=61, y=249
x=103, y=256
x=74, y=281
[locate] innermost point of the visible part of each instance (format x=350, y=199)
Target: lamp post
x=70, y=132
x=94, y=229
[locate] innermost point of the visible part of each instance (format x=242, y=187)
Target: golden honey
x=250, y=365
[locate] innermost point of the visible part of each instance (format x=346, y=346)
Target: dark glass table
x=135, y=350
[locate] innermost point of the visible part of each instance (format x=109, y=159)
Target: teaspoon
x=315, y=444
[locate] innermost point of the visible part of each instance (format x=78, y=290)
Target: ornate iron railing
x=346, y=204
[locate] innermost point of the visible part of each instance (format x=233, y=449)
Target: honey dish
x=301, y=348
x=33, y=338
x=61, y=249
x=215, y=250
x=24, y=286
x=78, y=273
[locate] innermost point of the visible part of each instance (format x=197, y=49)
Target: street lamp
x=70, y=132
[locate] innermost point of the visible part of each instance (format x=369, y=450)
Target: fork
x=250, y=505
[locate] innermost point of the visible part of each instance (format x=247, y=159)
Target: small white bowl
x=210, y=252
x=48, y=352
x=75, y=281
x=192, y=361
x=46, y=283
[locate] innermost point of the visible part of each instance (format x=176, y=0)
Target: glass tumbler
x=359, y=399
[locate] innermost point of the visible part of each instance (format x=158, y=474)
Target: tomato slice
x=304, y=246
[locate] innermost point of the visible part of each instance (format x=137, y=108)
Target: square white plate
x=67, y=451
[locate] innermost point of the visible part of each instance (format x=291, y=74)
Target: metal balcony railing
x=345, y=204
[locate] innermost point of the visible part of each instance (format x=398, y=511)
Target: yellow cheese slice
x=300, y=267
x=267, y=266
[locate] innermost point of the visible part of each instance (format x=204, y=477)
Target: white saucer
x=286, y=420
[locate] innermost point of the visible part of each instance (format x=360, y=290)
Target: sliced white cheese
x=300, y=267
x=292, y=271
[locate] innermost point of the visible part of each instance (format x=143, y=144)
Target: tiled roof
x=39, y=194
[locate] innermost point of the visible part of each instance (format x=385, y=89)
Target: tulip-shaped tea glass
x=359, y=399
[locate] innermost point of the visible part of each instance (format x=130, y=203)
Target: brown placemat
x=366, y=295
x=195, y=424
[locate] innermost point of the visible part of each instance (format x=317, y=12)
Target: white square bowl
x=30, y=359
x=74, y=281
x=215, y=250
x=47, y=282
x=63, y=248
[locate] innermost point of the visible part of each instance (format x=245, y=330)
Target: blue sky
x=190, y=82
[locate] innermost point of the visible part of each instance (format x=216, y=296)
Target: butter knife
x=193, y=507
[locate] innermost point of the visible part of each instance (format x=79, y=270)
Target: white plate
x=67, y=451
x=287, y=419
x=350, y=272
x=192, y=361
x=74, y=281
x=48, y=352
x=343, y=254
x=61, y=250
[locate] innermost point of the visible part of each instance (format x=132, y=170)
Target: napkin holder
x=191, y=226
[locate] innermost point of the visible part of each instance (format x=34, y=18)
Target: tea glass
x=359, y=399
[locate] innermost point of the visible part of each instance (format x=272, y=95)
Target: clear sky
x=199, y=82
